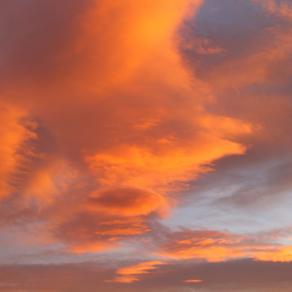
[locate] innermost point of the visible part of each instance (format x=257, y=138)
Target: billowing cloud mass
x=142, y=136
x=123, y=120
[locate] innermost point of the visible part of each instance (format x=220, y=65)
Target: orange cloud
x=123, y=120
x=210, y=246
x=16, y=133
x=126, y=202
x=87, y=232
x=276, y=254
x=193, y=281
x=50, y=181
x=104, y=125
x=132, y=273
x=215, y=246
x=168, y=161
x=136, y=36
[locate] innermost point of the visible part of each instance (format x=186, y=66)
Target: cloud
x=202, y=245
x=251, y=81
x=16, y=136
x=281, y=8
x=160, y=165
x=121, y=123
x=87, y=232
x=214, y=246
x=229, y=276
x=115, y=113
x=126, y=202
x=193, y=281
x=131, y=274
x=256, y=65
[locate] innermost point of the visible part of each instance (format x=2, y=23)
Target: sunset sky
x=146, y=145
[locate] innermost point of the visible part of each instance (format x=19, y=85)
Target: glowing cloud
x=132, y=273
x=122, y=125
x=213, y=246
x=115, y=114
x=16, y=133
x=193, y=281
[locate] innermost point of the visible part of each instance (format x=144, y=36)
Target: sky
x=145, y=145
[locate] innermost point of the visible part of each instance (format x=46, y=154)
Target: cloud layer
x=153, y=132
